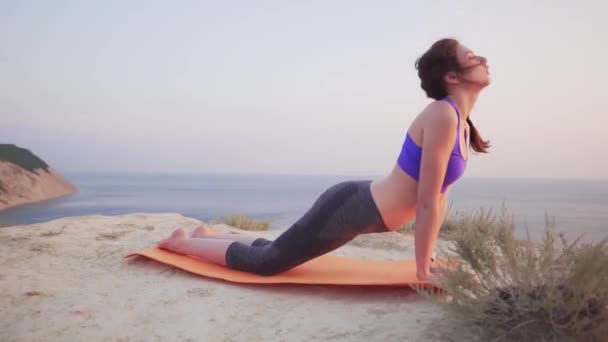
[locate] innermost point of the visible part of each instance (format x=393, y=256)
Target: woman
x=417, y=187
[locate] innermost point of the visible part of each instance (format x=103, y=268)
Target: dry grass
x=509, y=289
x=245, y=223
x=450, y=224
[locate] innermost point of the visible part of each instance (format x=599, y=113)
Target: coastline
x=23, y=187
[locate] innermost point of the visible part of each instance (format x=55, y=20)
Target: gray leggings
x=342, y=212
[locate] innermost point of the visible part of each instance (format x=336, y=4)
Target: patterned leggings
x=342, y=212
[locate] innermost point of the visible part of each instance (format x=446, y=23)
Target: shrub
x=450, y=224
x=245, y=222
x=504, y=288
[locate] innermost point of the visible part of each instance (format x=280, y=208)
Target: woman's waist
x=396, y=202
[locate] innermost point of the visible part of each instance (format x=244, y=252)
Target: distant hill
x=25, y=178
x=22, y=157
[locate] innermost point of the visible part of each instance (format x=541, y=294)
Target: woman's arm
x=439, y=135
x=444, y=203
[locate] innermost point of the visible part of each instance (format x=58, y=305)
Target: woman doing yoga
x=417, y=186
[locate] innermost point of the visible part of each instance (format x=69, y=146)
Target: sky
x=295, y=87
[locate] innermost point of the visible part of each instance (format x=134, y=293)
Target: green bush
x=245, y=222
x=504, y=288
x=22, y=158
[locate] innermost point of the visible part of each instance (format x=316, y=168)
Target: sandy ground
x=66, y=280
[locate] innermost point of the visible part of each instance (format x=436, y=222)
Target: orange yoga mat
x=326, y=269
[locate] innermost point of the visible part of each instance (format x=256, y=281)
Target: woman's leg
x=342, y=212
x=205, y=244
x=206, y=233
x=213, y=250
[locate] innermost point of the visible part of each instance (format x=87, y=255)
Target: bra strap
x=448, y=100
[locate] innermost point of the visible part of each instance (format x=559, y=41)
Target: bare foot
x=201, y=232
x=171, y=242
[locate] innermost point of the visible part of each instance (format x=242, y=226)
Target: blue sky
x=297, y=87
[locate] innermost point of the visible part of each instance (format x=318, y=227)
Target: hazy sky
x=295, y=86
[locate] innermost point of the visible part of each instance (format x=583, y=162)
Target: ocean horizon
x=578, y=206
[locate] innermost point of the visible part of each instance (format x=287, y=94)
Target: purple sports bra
x=411, y=154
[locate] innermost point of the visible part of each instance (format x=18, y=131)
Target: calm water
x=578, y=206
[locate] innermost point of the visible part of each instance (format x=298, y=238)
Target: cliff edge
x=25, y=178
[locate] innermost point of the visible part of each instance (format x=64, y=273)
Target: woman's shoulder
x=439, y=113
x=435, y=115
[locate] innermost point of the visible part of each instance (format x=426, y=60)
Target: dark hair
x=432, y=66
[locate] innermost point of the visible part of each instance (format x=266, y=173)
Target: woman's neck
x=464, y=101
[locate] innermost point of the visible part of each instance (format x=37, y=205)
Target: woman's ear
x=450, y=77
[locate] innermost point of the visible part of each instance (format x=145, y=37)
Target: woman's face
x=474, y=67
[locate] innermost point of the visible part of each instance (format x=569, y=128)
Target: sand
x=66, y=280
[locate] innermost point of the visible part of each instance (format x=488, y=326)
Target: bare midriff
x=396, y=197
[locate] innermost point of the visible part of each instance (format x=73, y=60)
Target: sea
x=579, y=208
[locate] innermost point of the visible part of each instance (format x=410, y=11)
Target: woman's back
x=396, y=194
